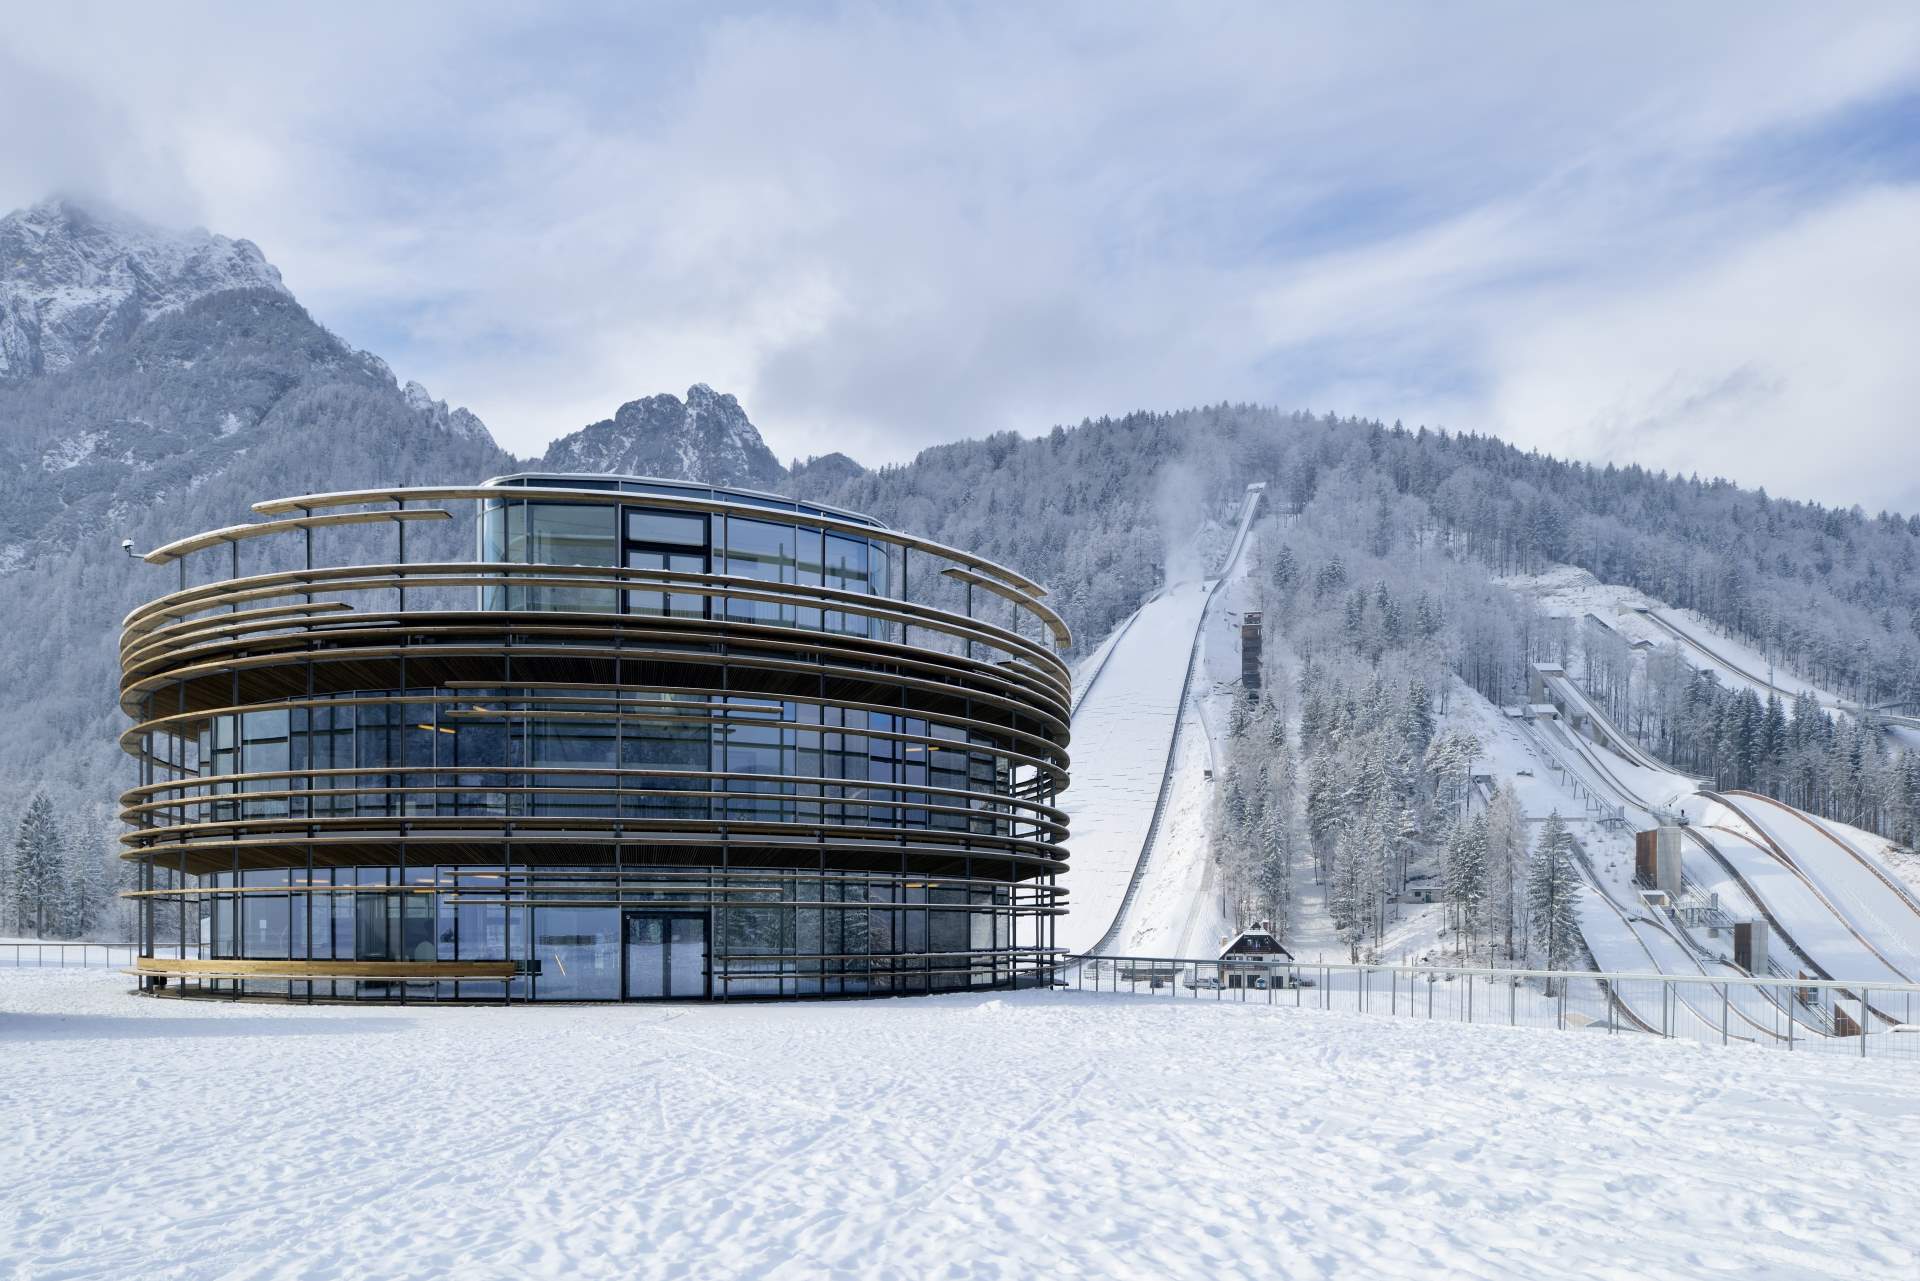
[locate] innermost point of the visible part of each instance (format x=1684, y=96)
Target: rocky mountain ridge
x=73, y=278
x=705, y=437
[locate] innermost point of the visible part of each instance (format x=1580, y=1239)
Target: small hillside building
x=1251, y=955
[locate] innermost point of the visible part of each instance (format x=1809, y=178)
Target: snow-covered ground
x=1032, y=1135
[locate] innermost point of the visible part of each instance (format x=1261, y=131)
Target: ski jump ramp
x=1124, y=729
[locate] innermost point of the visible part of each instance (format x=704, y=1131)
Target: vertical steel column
x=400, y=538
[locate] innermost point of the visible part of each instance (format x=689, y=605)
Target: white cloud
x=883, y=228
x=1787, y=361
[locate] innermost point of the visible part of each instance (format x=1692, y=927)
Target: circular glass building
x=658, y=740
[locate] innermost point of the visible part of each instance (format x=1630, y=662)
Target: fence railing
x=76, y=955
x=1867, y=1020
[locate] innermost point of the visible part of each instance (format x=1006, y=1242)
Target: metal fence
x=1879, y=1020
x=77, y=955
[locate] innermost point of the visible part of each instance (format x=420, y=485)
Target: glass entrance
x=666, y=956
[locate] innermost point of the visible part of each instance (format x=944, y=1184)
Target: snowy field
x=1036, y=1135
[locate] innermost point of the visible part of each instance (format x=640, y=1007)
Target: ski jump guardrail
x=1626, y=748
x=1254, y=491
x=1120, y=634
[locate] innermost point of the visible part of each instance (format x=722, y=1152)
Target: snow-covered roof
x=1257, y=943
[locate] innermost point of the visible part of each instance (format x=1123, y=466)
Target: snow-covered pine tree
x=1506, y=864
x=37, y=868
x=1552, y=887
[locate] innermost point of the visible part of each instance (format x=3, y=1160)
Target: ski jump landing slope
x=1125, y=722
x=1878, y=912
x=1121, y=731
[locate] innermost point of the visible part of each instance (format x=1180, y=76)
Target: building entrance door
x=666, y=956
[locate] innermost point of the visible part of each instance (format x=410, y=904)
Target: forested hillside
x=175, y=401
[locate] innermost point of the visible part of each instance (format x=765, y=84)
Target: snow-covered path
x=1039, y=1135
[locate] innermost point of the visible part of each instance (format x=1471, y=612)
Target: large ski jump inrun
x=1124, y=728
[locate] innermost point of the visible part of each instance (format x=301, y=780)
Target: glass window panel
x=579, y=953
x=569, y=534
x=672, y=528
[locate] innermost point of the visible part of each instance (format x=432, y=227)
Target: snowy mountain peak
x=72, y=275
x=706, y=437
x=462, y=424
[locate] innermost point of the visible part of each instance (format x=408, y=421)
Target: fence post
x=1510, y=1000
x=1865, y=1016
x=1560, y=1007
x=1787, y=1005
x=1469, y=998
x=1726, y=1000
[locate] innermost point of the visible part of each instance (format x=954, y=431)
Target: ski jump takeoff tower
x=658, y=740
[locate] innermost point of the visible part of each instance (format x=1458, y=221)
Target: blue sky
x=1686, y=236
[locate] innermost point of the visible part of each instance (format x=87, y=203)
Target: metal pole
x=1864, y=1016
x=1726, y=999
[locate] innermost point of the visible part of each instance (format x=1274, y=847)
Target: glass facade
x=648, y=933
x=634, y=536
x=633, y=785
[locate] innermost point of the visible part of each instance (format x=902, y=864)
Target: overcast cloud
x=1688, y=237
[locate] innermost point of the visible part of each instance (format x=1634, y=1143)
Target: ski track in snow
x=970, y=1136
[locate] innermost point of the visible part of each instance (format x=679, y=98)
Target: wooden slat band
x=618, y=774
x=972, y=813
x=173, y=967
x=155, y=624
x=599, y=828
x=289, y=850
x=1056, y=624
x=1039, y=752
x=992, y=689
x=665, y=502
x=1020, y=809
x=595, y=578
x=174, y=550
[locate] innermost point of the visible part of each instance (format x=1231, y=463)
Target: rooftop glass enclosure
x=759, y=545
x=679, y=742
